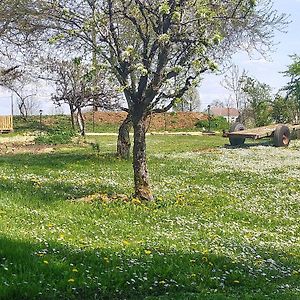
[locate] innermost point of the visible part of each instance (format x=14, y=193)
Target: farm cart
x=281, y=133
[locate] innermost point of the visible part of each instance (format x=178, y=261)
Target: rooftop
x=224, y=111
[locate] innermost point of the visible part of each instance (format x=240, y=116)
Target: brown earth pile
x=163, y=121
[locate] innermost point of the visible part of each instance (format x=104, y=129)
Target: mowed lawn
x=225, y=223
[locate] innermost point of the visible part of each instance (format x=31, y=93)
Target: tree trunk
x=72, y=112
x=22, y=111
x=81, y=122
x=141, y=179
x=123, y=144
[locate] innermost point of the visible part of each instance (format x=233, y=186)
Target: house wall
x=230, y=119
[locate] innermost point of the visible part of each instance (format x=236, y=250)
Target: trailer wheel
x=282, y=136
x=236, y=141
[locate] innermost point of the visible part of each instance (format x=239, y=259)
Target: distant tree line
x=257, y=104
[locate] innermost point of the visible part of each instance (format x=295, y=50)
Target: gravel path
x=148, y=133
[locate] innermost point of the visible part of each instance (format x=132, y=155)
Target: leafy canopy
x=156, y=49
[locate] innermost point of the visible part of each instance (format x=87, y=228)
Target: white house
x=230, y=114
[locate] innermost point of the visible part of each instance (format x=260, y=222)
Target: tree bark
x=81, y=122
x=72, y=120
x=72, y=112
x=141, y=178
x=123, y=144
x=22, y=110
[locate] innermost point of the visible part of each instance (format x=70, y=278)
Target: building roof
x=224, y=111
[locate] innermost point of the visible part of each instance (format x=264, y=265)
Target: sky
x=265, y=70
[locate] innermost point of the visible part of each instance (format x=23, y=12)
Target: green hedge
x=216, y=123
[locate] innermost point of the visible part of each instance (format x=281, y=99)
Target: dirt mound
x=163, y=121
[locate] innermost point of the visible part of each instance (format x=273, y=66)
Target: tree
x=259, y=99
x=190, y=101
x=293, y=71
x=9, y=75
x=123, y=143
x=293, y=87
x=171, y=43
x=21, y=83
x=284, y=110
x=233, y=82
x=75, y=86
x=217, y=103
x=25, y=102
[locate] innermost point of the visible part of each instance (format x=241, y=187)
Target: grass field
x=224, y=225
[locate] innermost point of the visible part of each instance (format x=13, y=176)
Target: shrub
x=216, y=123
x=55, y=137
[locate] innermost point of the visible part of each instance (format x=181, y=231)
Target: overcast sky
x=267, y=71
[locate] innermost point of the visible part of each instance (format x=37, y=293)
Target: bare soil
x=163, y=121
x=25, y=139
x=20, y=144
x=21, y=148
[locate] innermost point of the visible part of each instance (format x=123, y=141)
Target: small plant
x=96, y=147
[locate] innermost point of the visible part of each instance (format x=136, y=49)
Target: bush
x=55, y=137
x=216, y=123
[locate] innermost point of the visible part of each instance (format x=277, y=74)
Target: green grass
x=224, y=225
x=57, y=121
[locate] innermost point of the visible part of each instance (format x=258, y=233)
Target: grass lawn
x=224, y=225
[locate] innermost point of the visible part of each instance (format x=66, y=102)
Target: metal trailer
x=281, y=133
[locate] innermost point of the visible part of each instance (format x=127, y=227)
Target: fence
x=6, y=123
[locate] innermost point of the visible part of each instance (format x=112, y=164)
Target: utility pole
x=41, y=127
x=208, y=112
x=12, y=110
x=228, y=115
x=12, y=104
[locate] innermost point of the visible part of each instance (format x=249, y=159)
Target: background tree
x=285, y=110
x=21, y=84
x=293, y=72
x=172, y=43
x=293, y=87
x=217, y=103
x=259, y=99
x=233, y=82
x=190, y=101
x=75, y=85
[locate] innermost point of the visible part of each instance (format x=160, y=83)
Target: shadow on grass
x=49, y=270
x=48, y=192
x=37, y=182
x=265, y=143
x=58, y=160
